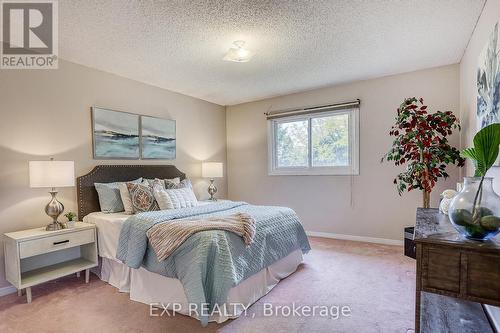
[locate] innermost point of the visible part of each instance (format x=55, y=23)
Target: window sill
x=338, y=172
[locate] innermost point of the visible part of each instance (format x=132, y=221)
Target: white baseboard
x=355, y=238
x=7, y=290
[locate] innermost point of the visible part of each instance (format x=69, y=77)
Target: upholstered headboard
x=88, y=200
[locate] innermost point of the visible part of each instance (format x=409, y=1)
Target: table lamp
x=52, y=174
x=211, y=170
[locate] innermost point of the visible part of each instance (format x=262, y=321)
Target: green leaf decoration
x=486, y=149
x=471, y=154
x=487, y=142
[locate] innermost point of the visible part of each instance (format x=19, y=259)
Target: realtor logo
x=29, y=34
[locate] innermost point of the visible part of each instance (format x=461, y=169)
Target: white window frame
x=351, y=169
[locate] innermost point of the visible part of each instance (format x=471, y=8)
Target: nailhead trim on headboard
x=88, y=200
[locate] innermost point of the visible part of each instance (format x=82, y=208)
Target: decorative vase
x=481, y=222
x=71, y=224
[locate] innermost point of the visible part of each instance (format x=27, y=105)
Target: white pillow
x=126, y=198
x=175, y=198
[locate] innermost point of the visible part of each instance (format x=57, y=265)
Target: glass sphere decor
x=475, y=211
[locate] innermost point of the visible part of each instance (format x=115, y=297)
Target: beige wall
x=468, y=72
x=46, y=113
x=324, y=202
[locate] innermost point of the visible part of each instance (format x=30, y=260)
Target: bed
x=213, y=268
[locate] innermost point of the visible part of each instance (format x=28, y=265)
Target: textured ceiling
x=299, y=45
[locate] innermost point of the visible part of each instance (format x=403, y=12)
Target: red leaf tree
x=421, y=143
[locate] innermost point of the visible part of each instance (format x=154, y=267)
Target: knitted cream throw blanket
x=166, y=237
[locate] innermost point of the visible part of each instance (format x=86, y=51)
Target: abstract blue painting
x=116, y=134
x=488, y=83
x=157, y=138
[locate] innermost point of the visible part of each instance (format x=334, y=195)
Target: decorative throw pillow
x=142, y=197
x=166, y=183
x=186, y=183
x=177, y=183
x=172, y=183
x=109, y=196
x=175, y=198
x=151, y=181
x=126, y=199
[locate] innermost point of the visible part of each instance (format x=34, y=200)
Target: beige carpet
x=376, y=281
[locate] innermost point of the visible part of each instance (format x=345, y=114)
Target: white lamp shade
x=211, y=169
x=52, y=173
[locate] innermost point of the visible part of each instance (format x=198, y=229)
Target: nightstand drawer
x=57, y=242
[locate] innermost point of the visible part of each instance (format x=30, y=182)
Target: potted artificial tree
x=421, y=144
x=475, y=211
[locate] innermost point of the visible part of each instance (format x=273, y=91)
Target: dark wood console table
x=455, y=276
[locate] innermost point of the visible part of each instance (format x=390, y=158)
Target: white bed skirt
x=151, y=288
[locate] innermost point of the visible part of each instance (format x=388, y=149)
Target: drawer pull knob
x=61, y=242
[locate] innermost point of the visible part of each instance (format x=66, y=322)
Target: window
x=322, y=143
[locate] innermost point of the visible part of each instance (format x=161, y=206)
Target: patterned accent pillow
x=172, y=183
x=142, y=197
x=175, y=198
x=109, y=196
x=177, y=183
x=166, y=183
x=151, y=181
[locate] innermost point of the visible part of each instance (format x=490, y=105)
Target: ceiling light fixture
x=238, y=53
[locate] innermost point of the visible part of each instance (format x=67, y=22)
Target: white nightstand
x=35, y=256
